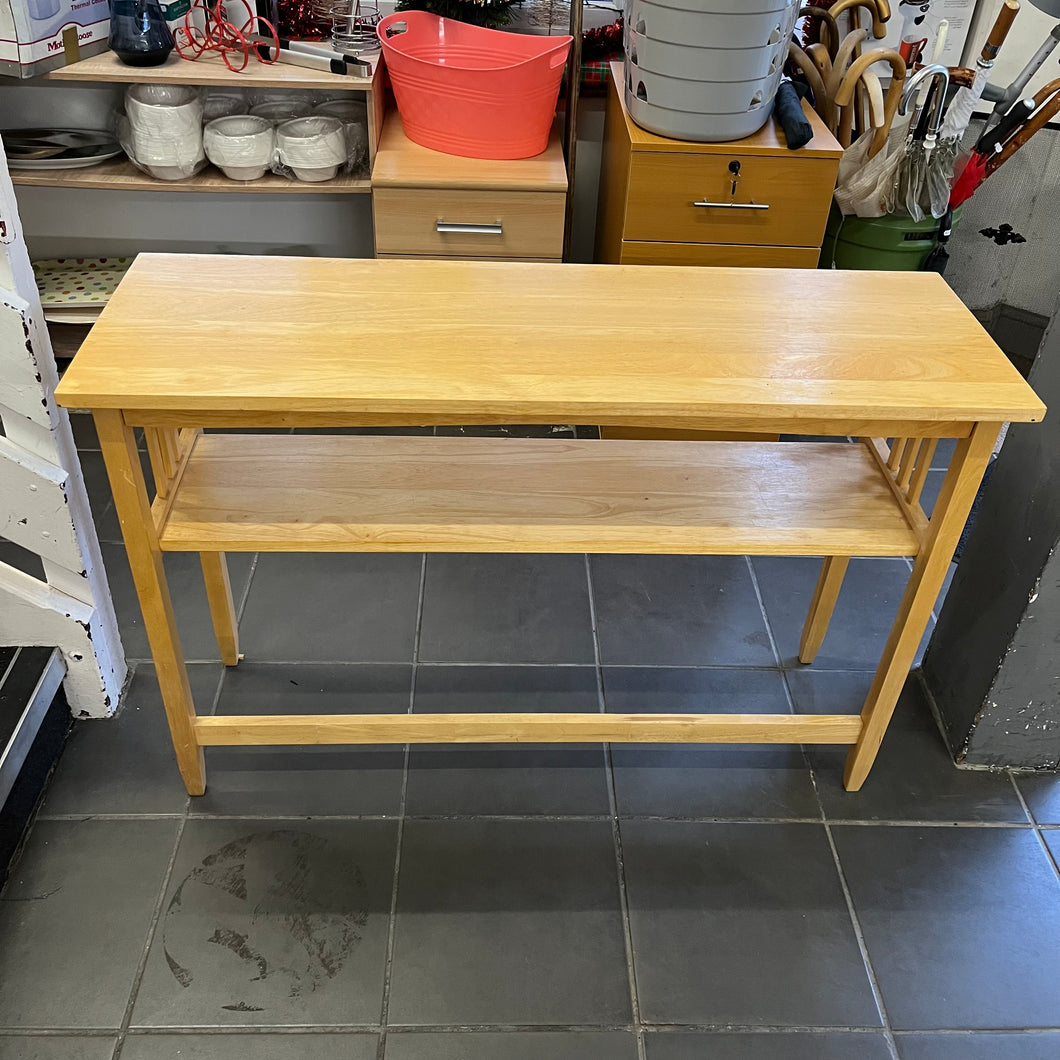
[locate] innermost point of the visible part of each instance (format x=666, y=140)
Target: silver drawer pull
x=471, y=230
x=735, y=205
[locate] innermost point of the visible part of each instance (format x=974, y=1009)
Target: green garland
x=491, y=13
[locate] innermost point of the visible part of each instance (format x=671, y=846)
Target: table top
x=505, y=342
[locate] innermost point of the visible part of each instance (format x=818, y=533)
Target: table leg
x=222, y=608
x=145, y=559
x=969, y=462
x=821, y=606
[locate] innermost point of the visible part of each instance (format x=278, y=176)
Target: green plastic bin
x=889, y=244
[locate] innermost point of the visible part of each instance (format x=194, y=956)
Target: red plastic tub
x=471, y=91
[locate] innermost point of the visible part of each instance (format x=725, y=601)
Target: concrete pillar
x=993, y=664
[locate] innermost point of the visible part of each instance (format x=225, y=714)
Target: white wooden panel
x=33, y=613
x=72, y=609
x=20, y=377
x=34, y=512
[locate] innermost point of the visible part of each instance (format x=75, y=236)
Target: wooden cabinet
x=671, y=202
x=429, y=204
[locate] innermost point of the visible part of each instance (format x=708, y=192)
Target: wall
x=1021, y=194
x=992, y=661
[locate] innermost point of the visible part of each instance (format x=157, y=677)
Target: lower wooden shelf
x=350, y=493
x=120, y=174
x=281, y=729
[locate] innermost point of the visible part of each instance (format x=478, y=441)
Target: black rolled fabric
x=788, y=111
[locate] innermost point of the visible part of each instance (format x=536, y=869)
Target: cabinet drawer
x=726, y=254
x=664, y=188
x=486, y=224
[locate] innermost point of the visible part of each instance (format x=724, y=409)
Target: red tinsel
x=603, y=41
x=298, y=20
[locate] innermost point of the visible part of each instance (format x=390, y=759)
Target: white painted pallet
x=43, y=502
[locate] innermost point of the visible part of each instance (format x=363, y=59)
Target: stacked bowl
x=313, y=148
x=705, y=70
x=240, y=145
x=165, y=129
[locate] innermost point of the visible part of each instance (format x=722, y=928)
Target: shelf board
x=120, y=174
x=355, y=493
x=209, y=70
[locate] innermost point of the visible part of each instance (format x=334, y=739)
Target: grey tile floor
x=533, y=903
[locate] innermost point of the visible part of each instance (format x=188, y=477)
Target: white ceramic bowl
x=280, y=110
x=346, y=110
x=222, y=107
x=243, y=172
x=313, y=148
x=241, y=145
x=169, y=172
x=165, y=125
x=314, y=176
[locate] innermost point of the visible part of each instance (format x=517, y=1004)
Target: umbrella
x=939, y=257
x=960, y=110
x=959, y=114
x=973, y=171
x=867, y=168
x=911, y=187
x=1047, y=105
x=860, y=74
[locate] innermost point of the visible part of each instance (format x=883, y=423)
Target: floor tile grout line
x=765, y=618
x=616, y=838
x=852, y=822
x=859, y=934
x=388, y=968
x=1052, y=859
x=410, y=1030
x=870, y=971
x=141, y=964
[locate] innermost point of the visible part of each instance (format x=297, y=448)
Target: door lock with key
x=734, y=168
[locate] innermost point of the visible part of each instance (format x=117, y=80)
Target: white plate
x=62, y=163
x=72, y=315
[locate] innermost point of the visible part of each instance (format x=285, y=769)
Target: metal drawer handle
x=735, y=205
x=469, y=229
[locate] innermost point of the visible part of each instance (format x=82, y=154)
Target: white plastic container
x=165, y=129
x=280, y=110
x=692, y=125
x=713, y=24
x=241, y=145
x=703, y=97
x=704, y=64
x=313, y=148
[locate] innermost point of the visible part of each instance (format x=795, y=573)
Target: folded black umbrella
x=788, y=111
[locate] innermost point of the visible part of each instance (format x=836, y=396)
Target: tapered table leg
x=145, y=559
x=969, y=462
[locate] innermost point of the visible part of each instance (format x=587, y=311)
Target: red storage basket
x=471, y=91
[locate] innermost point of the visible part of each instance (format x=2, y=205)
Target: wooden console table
x=188, y=342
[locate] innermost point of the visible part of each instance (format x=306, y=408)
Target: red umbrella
x=989, y=145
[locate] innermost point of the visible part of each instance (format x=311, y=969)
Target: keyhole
x=734, y=169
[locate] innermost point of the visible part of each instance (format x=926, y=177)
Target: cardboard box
x=41, y=35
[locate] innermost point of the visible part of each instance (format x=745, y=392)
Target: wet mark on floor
x=267, y=916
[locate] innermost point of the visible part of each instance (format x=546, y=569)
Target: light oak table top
x=347, y=340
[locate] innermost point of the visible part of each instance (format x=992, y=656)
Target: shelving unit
x=207, y=71
x=122, y=175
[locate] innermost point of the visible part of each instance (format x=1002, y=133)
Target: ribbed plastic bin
x=704, y=64
x=471, y=91
x=713, y=23
x=884, y=244
x=705, y=70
